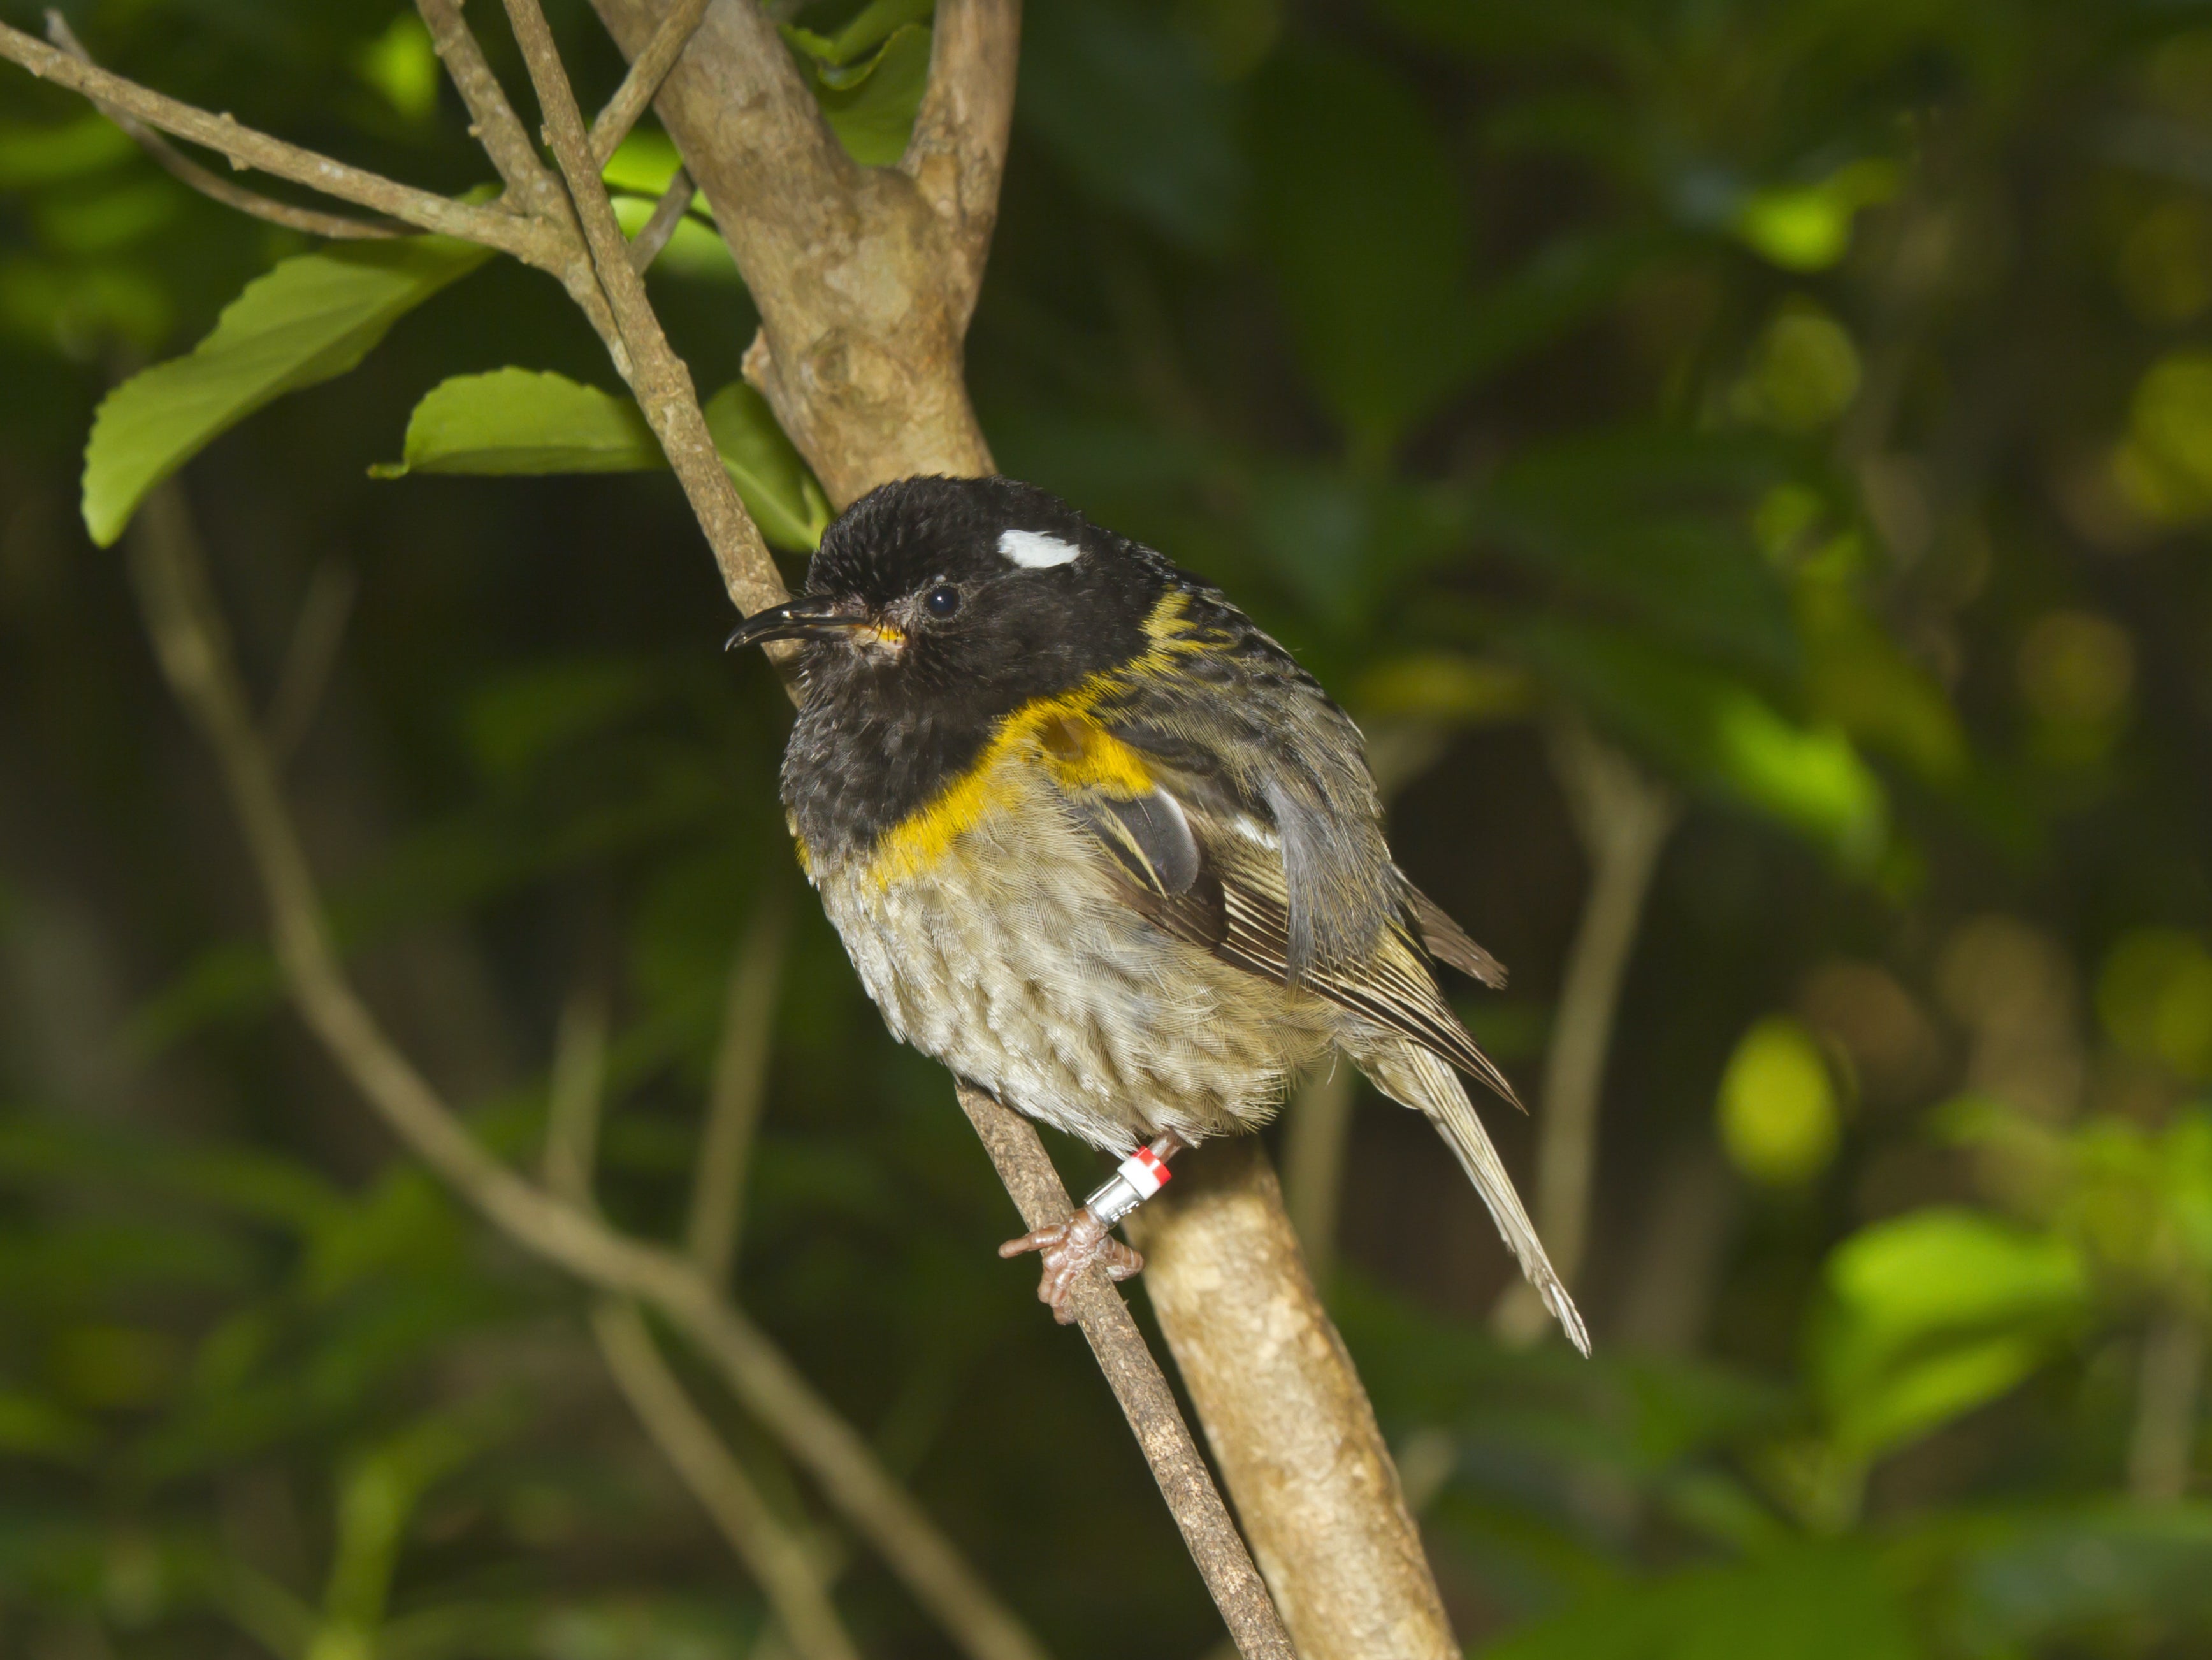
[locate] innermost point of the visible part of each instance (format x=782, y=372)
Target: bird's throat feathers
x=894, y=789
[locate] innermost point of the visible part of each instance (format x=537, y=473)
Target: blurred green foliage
x=1814, y=398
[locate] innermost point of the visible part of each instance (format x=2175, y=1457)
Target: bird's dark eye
x=943, y=599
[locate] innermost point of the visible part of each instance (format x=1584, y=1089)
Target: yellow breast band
x=1057, y=734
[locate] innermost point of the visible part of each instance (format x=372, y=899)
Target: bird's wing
x=1238, y=906
x=1447, y=941
x=1261, y=841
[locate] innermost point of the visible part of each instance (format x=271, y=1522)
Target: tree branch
x=770, y=1551
x=658, y=378
x=957, y=153
x=524, y=238
x=1623, y=819
x=646, y=71
x=864, y=289
x=492, y=120
x=310, y=657
x=1138, y=1385
x=865, y=375
x=575, y=1096
x=193, y=649
x=1288, y=1423
x=182, y=167
x=667, y=214
x=768, y=134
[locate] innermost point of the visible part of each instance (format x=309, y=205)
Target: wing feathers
x=1237, y=907
x=1420, y=1080
x=1448, y=942
x=1150, y=835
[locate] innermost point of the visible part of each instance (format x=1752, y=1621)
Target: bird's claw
x=1068, y=1248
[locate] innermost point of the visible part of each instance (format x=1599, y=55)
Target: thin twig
x=775, y=1556
x=957, y=151
x=646, y=71
x=657, y=376
x=311, y=658
x=533, y=187
x=193, y=649
x=1135, y=1379
x=2162, y=1448
x=667, y=214
x=738, y=1087
x=509, y=232
x=771, y=1552
x=1623, y=817
x=492, y=120
x=575, y=1094
x=183, y=167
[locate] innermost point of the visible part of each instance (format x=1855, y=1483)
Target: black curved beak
x=810, y=616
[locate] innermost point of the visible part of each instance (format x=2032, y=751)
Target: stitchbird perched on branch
x=1100, y=845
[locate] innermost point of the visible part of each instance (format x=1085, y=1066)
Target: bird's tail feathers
x=1410, y=1075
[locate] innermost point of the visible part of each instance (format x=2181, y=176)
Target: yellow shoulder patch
x=1057, y=734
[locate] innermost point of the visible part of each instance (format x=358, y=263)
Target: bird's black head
x=938, y=596
x=934, y=607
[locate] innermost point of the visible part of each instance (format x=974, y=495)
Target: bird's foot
x=1069, y=1248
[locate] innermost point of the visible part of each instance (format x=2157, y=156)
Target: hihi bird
x=1101, y=845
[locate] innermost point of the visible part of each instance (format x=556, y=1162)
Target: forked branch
x=646, y=71
x=243, y=147
x=658, y=377
x=193, y=649
x=773, y=1553
x=867, y=397
x=957, y=154
x=310, y=221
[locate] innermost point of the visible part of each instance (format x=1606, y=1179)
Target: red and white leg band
x=1137, y=1179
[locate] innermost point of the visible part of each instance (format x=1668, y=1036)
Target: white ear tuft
x=1033, y=549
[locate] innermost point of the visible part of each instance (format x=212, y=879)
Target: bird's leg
x=1087, y=1237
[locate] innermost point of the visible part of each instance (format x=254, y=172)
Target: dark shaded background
x=1811, y=398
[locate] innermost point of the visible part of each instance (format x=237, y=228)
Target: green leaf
x=1777, y=1111
x=779, y=491
x=872, y=108
x=695, y=250
x=646, y=163
x=265, y=1186
x=514, y=420
x=30, y=1427
x=517, y=421
x=40, y=155
x=521, y=716
x=1712, y=729
x=1363, y=222
x=1806, y=227
x=1932, y=1314
x=1651, y=522
x=310, y=320
x=402, y=64
x=1341, y=539
x=872, y=25
x=2024, y=1581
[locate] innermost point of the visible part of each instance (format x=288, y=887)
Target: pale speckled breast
x=1012, y=960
